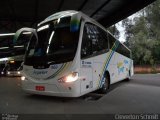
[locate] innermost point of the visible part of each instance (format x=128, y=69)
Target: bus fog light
x=69, y=78
x=23, y=78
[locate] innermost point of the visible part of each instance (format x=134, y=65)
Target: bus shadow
x=118, y=84
x=94, y=96
x=146, y=83
x=50, y=98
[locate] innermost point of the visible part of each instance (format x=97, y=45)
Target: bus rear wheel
x=105, y=86
x=129, y=76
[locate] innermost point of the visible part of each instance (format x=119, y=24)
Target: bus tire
x=105, y=86
x=129, y=76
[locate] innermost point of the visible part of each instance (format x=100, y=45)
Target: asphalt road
x=140, y=95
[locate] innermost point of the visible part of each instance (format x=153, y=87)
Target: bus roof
x=73, y=12
x=66, y=13
x=59, y=15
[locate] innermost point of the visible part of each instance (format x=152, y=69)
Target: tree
x=143, y=35
x=153, y=17
x=113, y=29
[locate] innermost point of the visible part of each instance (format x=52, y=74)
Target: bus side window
x=102, y=39
x=86, y=48
x=123, y=51
x=32, y=45
x=111, y=40
x=95, y=40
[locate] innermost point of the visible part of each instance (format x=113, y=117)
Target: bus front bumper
x=13, y=73
x=47, y=89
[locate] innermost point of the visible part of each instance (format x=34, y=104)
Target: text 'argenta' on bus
x=70, y=54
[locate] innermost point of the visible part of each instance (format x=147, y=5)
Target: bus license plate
x=40, y=88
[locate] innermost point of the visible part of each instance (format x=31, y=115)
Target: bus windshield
x=14, y=66
x=56, y=43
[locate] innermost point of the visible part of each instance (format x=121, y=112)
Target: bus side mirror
x=75, y=23
x=18, y=33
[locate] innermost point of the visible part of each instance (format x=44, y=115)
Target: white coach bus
x=70, y=54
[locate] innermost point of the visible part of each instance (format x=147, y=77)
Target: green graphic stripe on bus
x=64, y=66
x=108, y=61
x=61, y=68
x=107, y=58
x=113, y=51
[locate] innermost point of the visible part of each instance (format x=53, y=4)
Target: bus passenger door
x=86, y=76
x=86, y=61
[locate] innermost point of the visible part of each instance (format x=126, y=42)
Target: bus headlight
x=8, y=73
x=23, y=78
x=69, y=78
x=2, y=73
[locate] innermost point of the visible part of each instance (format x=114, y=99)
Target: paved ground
x=140, y=95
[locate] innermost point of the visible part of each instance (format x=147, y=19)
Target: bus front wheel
x=105, y=86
